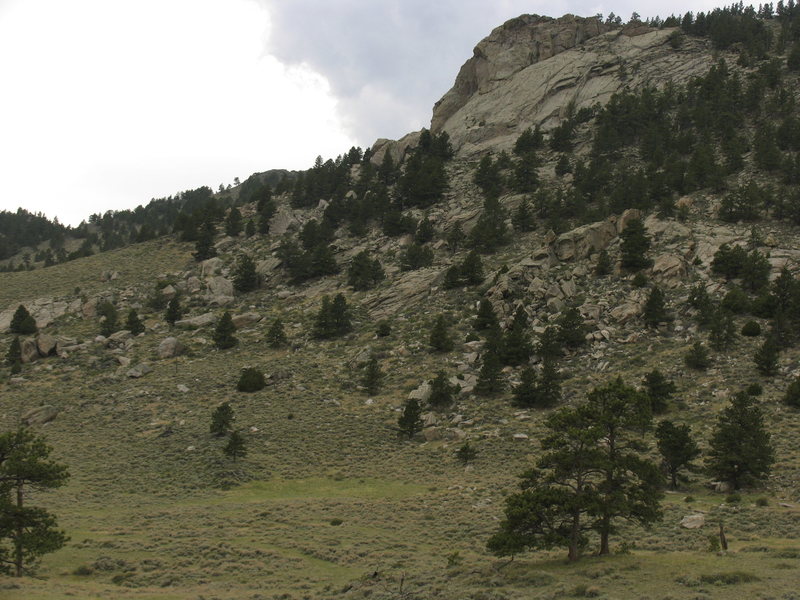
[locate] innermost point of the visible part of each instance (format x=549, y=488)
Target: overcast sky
x=106, y=104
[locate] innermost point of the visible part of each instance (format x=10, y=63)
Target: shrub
x=733, y=498
x=384, y=328
x=697, y=357
x=466, y=453
x=251, y=380
x=792, y=396
x=736, y=301
x=762, y=501
x=639, y=280
x=751, y=329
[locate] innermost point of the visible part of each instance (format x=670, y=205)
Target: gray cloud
x=388, y=61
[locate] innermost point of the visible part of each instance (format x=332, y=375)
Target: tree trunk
x=673, y=476
x=605, y=526
x=19, y=531
x=574, y=535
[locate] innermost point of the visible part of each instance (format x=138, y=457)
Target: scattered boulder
x=198, y=321
x=170, y=347
x=29, y=350
x=40, y=415
x=46, y=344
x=246, y=319
x=422, y=393
x=625, y=312
x=139, y=370
x=695, y=521
x=210, y=267
x=220, y=291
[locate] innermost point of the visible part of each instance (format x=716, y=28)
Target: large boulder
x=220, y=291
x=46, y=344
x=40, y=415
x=198, y=321
x=211, y=267
x=246, y=319
x=695, y=521
x=29, y=350
x=170, y=347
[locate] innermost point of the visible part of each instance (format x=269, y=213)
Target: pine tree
x=525, y=394
x=490, y=376
x=721, y=330
x=472, y=269
x=517, y=348
x=410, y=423
x=221, y=420
x=236, y=447
x=635, y=245
x=251, y=380
x=31, y=532
x=697, y=357
x=333, y=319
x=603, y=266
x=442, y=392
x=223, y=333
x=276, y=336
x=486, y=318
x=373, y=376
x=204, y=247
x=466, y=453
x=677, y=449
x=440, y=339
x=655, y=309
x=455, y=237
x=571, y=328
x=741, y=452
x=659, y=390
x=522, y=219
x=766, y=357
x=416, y=257
x=452, y=278
x=174, y=311
x=133, y=324
x=792, y=395
x=364, y=272
x=233, y=222
x=108, y=318
x=548, y=388
x=22, y=322
x=549, y=346
x=425, y=231
x=245, y=277
x=14, y=354
x=250, y=228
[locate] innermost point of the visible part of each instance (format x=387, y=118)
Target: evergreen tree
x=721, y=330
x=741, y=452
x=471, y=270
x=251, y=380
x=490, y=380
x=373, y=376
x=603, y=266
x=792, y=395
x=410, y=423
x=455, y=237
x=489, y=232
x=425, y=231
x=174, y=311
x=108, y=318
x=204, y=247
x=655, y=308
x=133, y=324
x=416, y=257
x=550, y=346
x=630, y=484
x=236, y=447
x=525, y=393
x=522, y=219
x=659, y=390
x=548, y=388
x=766, y=357
x=221, y=420
x=233, y=222
x=440, y=339
x=276, y=336
x=250, y=228
x=571, y=329
x=677, y=449
x=486, y=318
x=22, y=322
x=452, y=278
x=442, y=392
x=26, y=532
x=635, y=245
x=488, y=178
x=466, y=453
x=364, y=272
x=245, y=277
x=14, y=354
x=697, y=357
x=333, y=319
x=517, y=348
x=223, y=333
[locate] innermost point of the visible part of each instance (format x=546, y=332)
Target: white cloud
x=107, y=104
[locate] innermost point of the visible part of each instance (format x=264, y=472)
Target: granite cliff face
x=530, y=69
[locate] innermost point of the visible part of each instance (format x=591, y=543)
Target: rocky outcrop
x=529, y=70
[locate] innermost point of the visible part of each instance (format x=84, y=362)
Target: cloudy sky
x=106, y=104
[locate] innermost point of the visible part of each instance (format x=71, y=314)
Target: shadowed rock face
x=515, y=45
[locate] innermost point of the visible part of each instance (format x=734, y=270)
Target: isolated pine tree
x=550, y=345
x=766, y=357
x=659, y=390
x=472, y=269
x=204, y=247
x=525, y=393
x=455, y=237
x=233, y=222
x=571, y=328
x=548, y=388
x=635, y=245
x=655, y=308
x=490, y=379
x=442, y=392
x=372, y=378
x=276, y=337
x=333, y=318
x=410, y=423
x=677, y=449
x=223, y=333
x=740, y=452
x=221, y=420
x=251, y=380
x=245, y=276
x=603, y=266
x=792, y=395
x=517, y=347
x=133, y=324
x=108, y=318
x=22, y=322
x=364, y=272
x=466, y=453
x=697, y=357
x=250, y=228
x=14, y=354
x=174, y=311
x=440, y=339
x=452, y=278
x=721, y=330
x=523, y=219
x=236, y=447
x=486, y=318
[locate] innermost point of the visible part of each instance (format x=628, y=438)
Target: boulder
x=668, y=267
x=169, y=292
x=139, y=370
x=422, y=393
x=695, y=521
x=625, y=312
x=29, y=350
x=170, y=347
x=246, y=319
x=193, y=285
x=40, y=415
x=220, y=291
x=267, y=266
x=46, y=344
x=210, y=267
x=198, y=321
